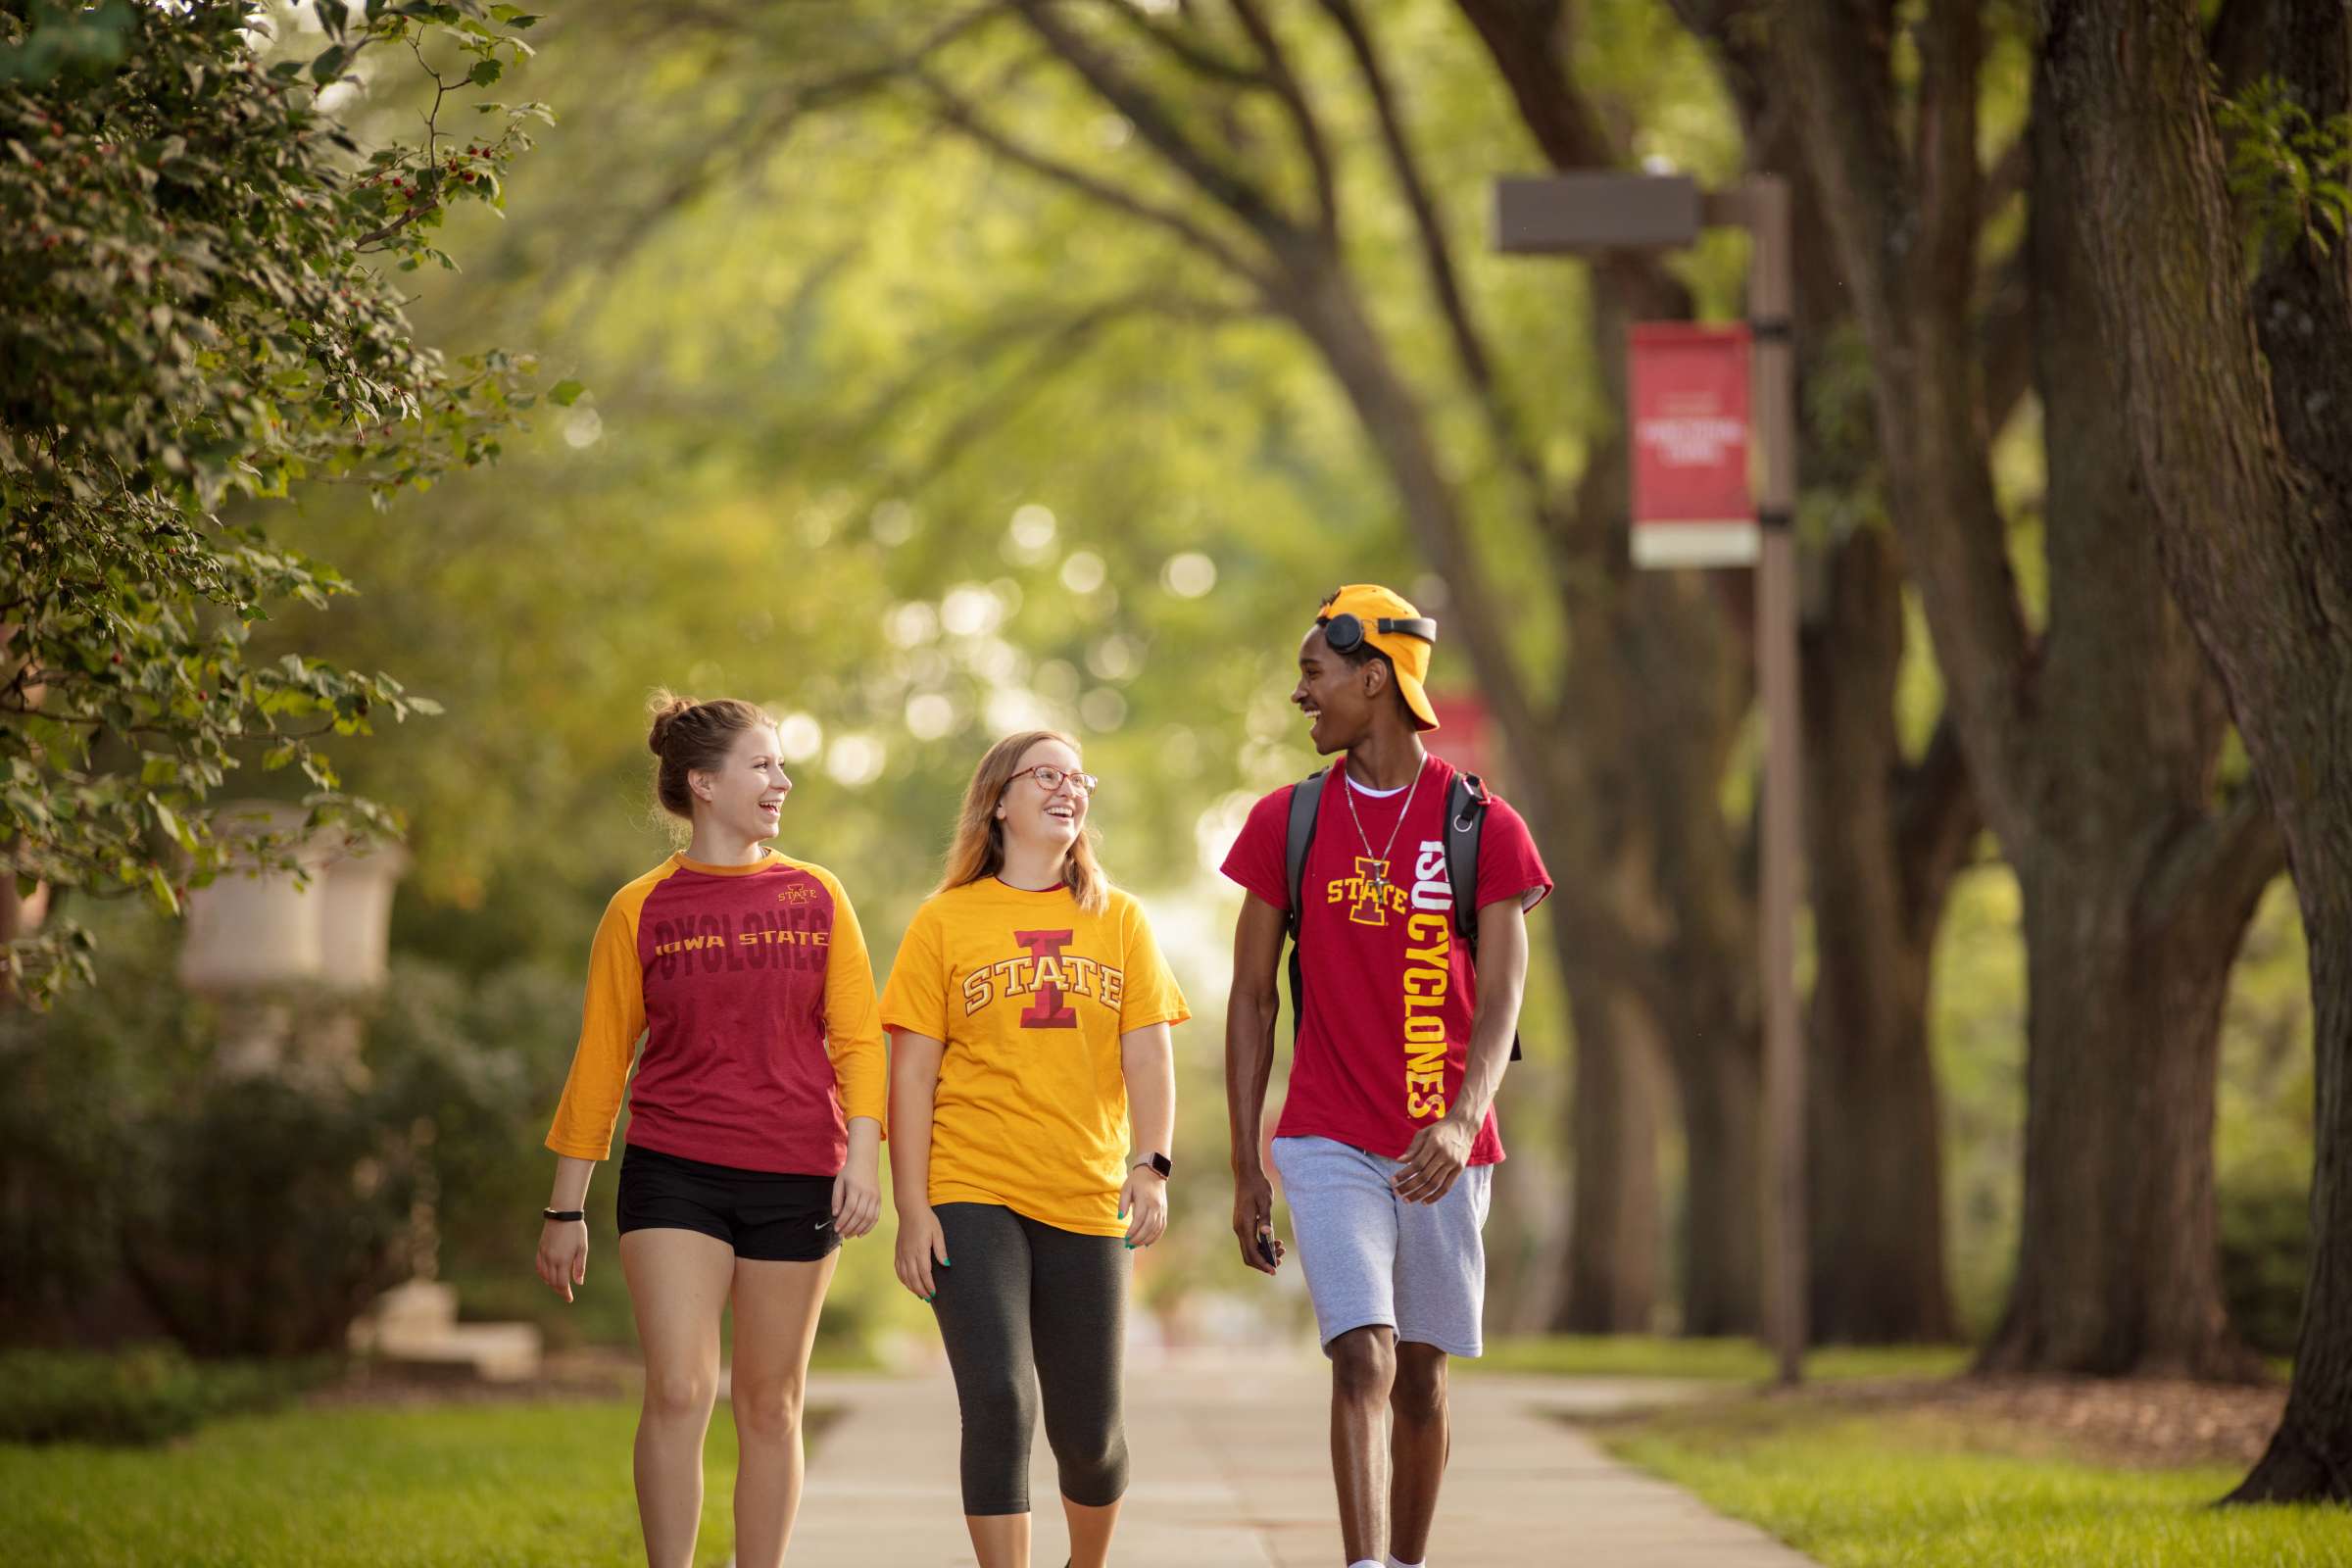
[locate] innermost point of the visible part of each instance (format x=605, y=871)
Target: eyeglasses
x=1050, y=779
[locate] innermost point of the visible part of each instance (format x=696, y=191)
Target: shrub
x=243, y=1217
x=147, y=1394
x=2266, y=1254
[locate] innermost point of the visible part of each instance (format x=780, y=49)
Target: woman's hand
x=1143, y=1206
x=563, y=1254
x=858, y=1189
x=921, y=1243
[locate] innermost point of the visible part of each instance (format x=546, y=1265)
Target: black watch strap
x=1159, y=1163
x=563, y=1214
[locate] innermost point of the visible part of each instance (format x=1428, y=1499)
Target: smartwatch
x=1158, y=1162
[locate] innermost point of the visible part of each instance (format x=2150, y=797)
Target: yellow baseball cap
x=1388, y=622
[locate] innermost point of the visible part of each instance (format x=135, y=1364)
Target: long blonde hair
x=979, y=848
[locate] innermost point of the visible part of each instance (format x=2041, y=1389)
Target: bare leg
x=775, y=1324
x=1363, y=1369
x=678, y=1284
x=1090, y=1533
x=1419, y=1441
x=999, y=1540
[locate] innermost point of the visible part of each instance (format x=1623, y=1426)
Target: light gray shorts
x=1371, y=1257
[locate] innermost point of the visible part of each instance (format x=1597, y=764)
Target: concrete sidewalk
x=1231, y=1468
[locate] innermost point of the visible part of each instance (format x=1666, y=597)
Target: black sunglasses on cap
x=1345, y=632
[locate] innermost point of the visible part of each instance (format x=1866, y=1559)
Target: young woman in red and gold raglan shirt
x=1386, y=1143
x=1029, y=1011
x=754, y=1119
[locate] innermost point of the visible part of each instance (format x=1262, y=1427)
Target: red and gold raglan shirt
x=753, y=990
x=1389, y=989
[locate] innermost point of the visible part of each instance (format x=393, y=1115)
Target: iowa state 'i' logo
x=1051, y=1009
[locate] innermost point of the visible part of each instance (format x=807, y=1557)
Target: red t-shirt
x=1390, y=991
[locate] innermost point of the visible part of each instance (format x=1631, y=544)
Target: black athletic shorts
x=762, y=1216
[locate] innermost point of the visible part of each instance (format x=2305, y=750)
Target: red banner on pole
x=1693, y=503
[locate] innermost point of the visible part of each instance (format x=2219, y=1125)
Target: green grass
x=355, y=1487
x=1914, y=1489
x=1629, y=1356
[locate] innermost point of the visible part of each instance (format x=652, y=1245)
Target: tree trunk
x=1614, y=1116
x=1886, y=841
x=1722, y=1087
x=2091, y=744
x=2253, y=507
x=1676, y=669
x=2130, y=928
x=2118, y=1269
x=1884, y=838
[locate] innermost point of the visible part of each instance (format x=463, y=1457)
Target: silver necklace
x=1380, y=862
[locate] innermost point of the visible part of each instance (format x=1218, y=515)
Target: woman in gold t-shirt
x=1029, y=1014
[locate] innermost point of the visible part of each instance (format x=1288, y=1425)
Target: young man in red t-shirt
x=1387, y=1142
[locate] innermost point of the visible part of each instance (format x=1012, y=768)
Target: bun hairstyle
x=978, y=849
x=687, y=736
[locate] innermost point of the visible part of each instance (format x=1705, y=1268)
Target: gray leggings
x=1025, y=1307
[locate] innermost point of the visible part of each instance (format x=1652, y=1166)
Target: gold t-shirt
x=1030, y=995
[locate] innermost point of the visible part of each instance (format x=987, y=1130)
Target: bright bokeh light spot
x=854, y=760
x=1082, y=572
x=1189, y=575
x=1032, y=533
x=893, y=523
x=1215, y=829
x=1115, y=658
x=1012, y=709
x=971, y=610
x=1057, y=680
x=996, y=661
x=800, y=737
x=584, y=428
x=911, y=624
x=930, y=716
x=1102, y=709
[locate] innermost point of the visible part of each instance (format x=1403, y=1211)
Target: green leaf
x=566, y=393
x=174, y=827
x=329, y=65
x=485, y=72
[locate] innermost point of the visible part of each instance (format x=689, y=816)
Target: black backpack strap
x=1307, y=798
x=1465, y=824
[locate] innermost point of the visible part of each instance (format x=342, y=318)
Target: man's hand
x=1434, y=1161
x=1254, y=1221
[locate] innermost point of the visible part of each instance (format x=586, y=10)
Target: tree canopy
x=202, y=306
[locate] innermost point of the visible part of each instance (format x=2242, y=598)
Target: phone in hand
x=1265, y=1247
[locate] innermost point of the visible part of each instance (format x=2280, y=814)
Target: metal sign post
x=1603, y=211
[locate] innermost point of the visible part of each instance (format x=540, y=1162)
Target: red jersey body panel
x=1389, y=990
